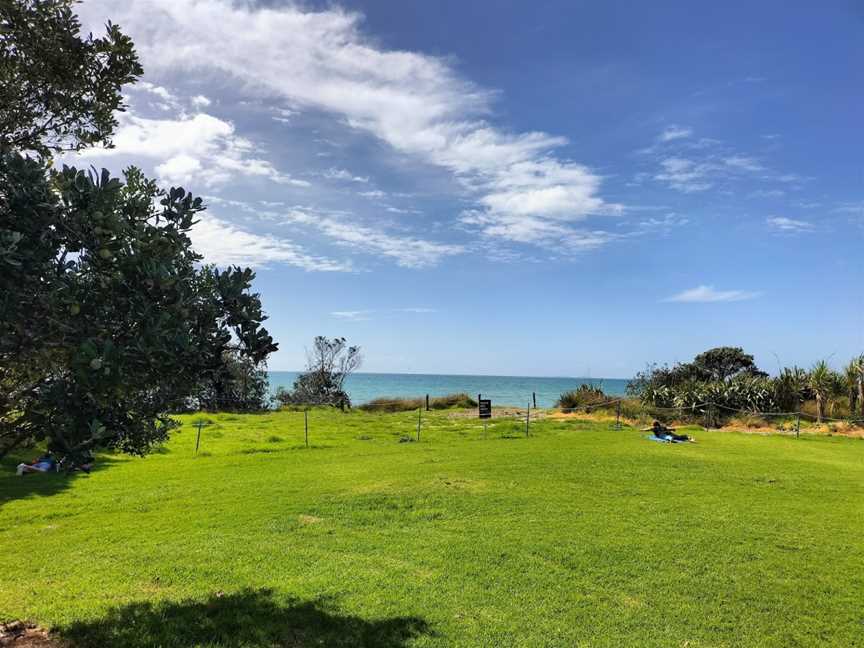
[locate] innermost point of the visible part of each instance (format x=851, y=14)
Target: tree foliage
x=328, y=364
x=724, y=363
x=108, y=322
x=59, y=90
x=238, y=385
x=725, y=382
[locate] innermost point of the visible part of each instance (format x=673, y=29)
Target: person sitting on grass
x=662, y=432
x=43, y=464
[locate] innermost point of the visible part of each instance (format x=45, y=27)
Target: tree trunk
x=861, y=394
x=820, y=407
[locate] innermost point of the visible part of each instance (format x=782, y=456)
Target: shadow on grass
x=249, y=618
x=13, y=487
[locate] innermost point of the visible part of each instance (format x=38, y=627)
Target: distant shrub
x=328, y=365
x=453, y=400
x=584, y=395
x=393, y=404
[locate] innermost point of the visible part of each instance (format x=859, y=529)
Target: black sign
x=485, y=407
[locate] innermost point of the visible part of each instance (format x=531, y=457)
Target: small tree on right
x=824, y=383
x=853, y=375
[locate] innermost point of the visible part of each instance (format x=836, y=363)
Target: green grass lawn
x=578, y=535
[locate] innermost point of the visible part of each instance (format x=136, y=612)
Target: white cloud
x=686, y=175
x=284, y=115
x=353, y=316
x=665, y=224
x=675, y=132
x=416, y=103
x=408, y=251
x=376, y=193
x=538, y=231
x=856, y=209
x=200, y=101
x=344, y=174
x=167, y=100
x=767, y=193
x=692, y=165
x=707, y=294
x=198, y=148
x=743, y=163
x=789, y=225
x=365, y=315
x=225, y=244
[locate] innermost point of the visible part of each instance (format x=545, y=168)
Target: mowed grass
x=580, y=535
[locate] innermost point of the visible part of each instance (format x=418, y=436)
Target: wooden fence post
x=198, y=440
x=618, y=415
x=534, y=398
x=427, y=402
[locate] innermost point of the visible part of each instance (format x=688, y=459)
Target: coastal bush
x=724, y=383
x=582, y=396
x=328, y=365
x=395, y=404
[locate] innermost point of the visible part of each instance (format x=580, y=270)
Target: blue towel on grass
x=652, y=437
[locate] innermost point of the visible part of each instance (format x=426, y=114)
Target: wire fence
x=707, y=412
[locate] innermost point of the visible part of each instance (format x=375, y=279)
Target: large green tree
x=59, y=90
x=108, y=321
x=723, y=363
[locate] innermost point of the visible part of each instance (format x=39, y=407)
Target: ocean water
x=503, y=390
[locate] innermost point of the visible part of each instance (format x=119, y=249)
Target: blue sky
x=544, y=188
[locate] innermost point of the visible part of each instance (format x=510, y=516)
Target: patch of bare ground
x=18, y=634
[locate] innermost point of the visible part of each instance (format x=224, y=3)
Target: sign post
x=484, y=407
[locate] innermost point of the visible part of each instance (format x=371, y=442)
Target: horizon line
x=465, y=375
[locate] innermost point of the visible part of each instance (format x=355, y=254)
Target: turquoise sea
x=503, y=390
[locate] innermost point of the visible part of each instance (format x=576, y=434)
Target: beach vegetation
x=328, y=364
x=397, y=404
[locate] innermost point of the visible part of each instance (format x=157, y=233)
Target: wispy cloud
x=408, y=251
x=789, y=225
x=226, y=244
x=189, y=149
x=767, y=193
x=353, y=316
x=707, y=294
x=674, y=133
x=418, y=104
x=851, y=208
x=688, y=164
x=344, y=174
x=743, y=163
x=686, y=175
x=365, y=315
